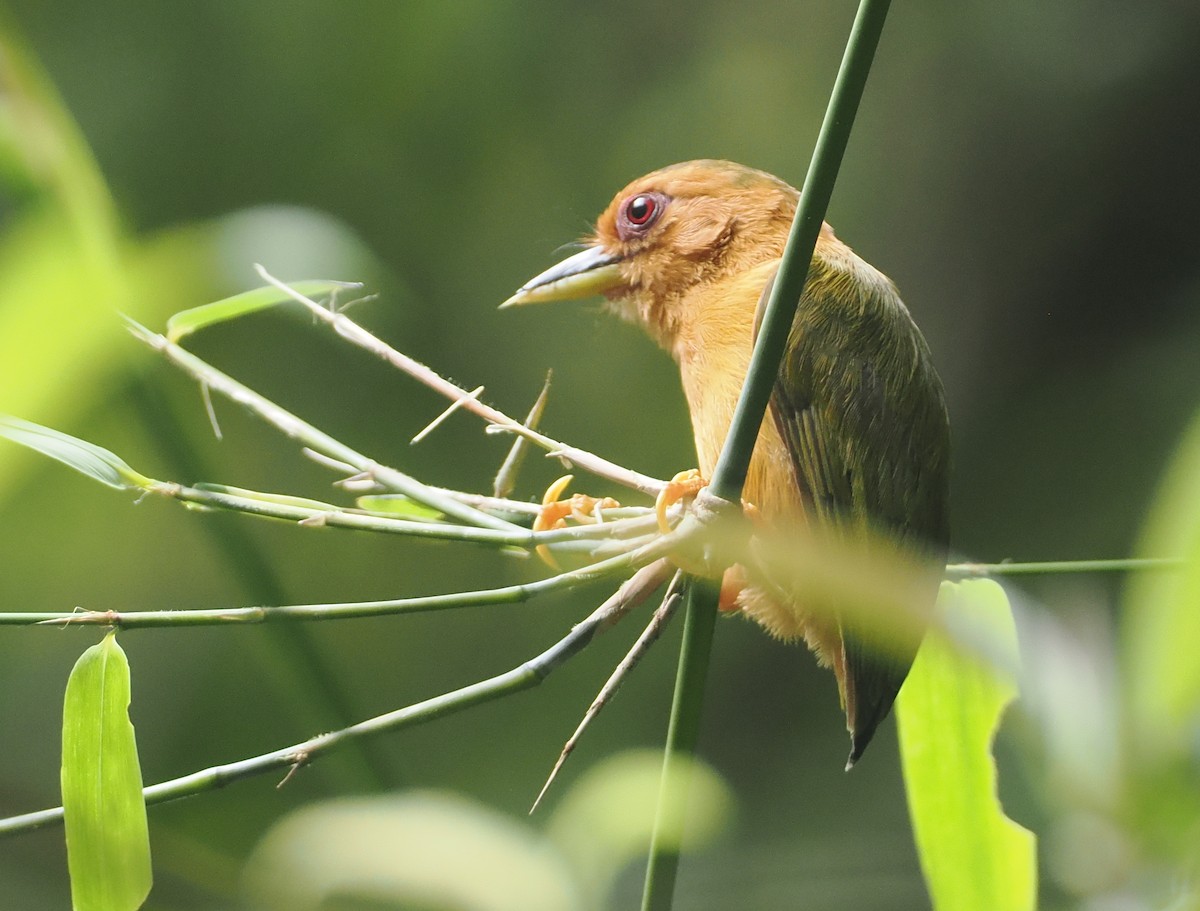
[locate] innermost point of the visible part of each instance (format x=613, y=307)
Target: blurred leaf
x=607, y=817
x=65, y=264
x=1161, y=625
x=59, y=264
x=40, y=134
x=86, y=458
x=417, y=849
x=972, y=855
x=108, y=842
x=188, y=321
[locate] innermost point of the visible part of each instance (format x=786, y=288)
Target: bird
x=858, y=433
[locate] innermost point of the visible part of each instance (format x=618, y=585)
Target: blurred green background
x=1025, y=172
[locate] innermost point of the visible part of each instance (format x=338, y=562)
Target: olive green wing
x=862, y=413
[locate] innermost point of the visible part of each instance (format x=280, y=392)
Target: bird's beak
x=591, y=271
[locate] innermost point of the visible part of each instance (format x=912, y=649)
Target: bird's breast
x=713, y=348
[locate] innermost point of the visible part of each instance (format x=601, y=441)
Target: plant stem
x=730, y=473
x=309, y=435
x=1051, y=567
x=350, y=330
x=509, y=594
x=682, y=735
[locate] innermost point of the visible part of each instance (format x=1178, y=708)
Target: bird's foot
x=683, y=485
x=687, y=484
x=554, y=513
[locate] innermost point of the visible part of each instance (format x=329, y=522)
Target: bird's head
x=668, y=232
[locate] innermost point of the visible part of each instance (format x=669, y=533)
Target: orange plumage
x=857, y=433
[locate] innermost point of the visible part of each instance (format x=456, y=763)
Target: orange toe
x=555, y=512
x=685, y=484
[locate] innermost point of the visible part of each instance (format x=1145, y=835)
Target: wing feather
x=862, y=413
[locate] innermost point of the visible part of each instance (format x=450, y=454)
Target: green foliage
x=87, y=458
x=108, y=842
x=65, y=261
x=398, y=505
x=188, y=321
x=948, y=712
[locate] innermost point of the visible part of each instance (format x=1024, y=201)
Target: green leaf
x=188, y=321
x=1161, y=621
x=108, y=842
x=397, y=505
x=972, y=855
x=86, y=458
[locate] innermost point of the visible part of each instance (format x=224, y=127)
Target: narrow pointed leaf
x=108, y=843
x=87, y=458
x=187, y=321
x=972, y=855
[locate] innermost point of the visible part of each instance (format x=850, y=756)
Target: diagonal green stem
x=682, y=733
x=730, y=473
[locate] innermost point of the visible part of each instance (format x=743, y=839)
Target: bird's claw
x=555, y=511
x=683, y=485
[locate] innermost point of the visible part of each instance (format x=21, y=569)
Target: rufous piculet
x=857, y=430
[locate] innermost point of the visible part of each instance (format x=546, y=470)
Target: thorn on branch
x=302, y=759
x=650, y=634
x=211, y=411
x=454, y=406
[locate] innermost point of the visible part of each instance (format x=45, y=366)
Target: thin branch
x=658, y=622
x=1053, y=567
x=525, y=676
x=313, y=513
x=509, y=594
x=350, y=330
x=306, y=433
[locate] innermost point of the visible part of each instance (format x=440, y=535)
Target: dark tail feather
x=873, y=679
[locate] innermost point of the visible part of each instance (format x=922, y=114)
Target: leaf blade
x=972, y=855
x=108, y=842
x=88, y=459
x=188, y=321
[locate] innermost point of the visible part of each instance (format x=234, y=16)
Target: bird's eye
x=642, y=210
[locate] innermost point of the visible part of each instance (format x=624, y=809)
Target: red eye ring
x=641, y=210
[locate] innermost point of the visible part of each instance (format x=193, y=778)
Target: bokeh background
x=1026, y=173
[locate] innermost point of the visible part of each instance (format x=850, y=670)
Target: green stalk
x=730, y=473
x=683, y=731
x=1056, y=567
x=348, y=610
x=309, y=435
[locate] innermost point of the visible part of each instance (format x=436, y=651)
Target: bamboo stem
x=730, y=473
